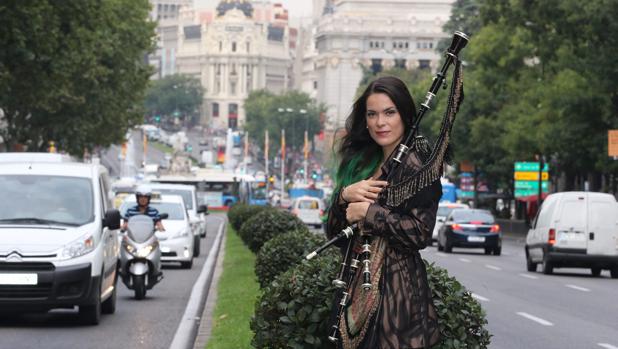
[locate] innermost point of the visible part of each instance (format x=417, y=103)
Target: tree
x=267, y=111
x=174, y=96
x=72, y=72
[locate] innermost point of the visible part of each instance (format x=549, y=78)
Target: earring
x=367, y=127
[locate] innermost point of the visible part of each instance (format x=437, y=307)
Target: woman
x=398, y=311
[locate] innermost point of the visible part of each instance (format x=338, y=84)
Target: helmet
x=143, y=191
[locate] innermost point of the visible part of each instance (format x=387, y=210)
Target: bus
x=253, y=190
x=216, y=188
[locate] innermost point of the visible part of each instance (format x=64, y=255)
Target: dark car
x=471, y=229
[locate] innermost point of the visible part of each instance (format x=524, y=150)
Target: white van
x=59, y=238
x=575, y=230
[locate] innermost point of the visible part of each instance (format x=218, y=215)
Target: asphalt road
x=150, y=323
x=567, y=310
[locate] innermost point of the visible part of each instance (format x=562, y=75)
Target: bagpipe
x=407, y=187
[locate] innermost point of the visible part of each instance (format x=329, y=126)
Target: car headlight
x=78, y=248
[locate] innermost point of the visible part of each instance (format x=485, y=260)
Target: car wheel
x=547, y=267
x=91, y=314
x=187, y=265
x=596, y=272
x=196, y=246
x=488, y=250
x=614, y=272
x=440, y=248
x=448, y=248
x=530, y=266
x=498, y=251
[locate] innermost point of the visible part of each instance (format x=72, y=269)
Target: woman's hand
x=364, y=191
x=356, y=211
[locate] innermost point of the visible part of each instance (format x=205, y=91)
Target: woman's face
x=384, y=122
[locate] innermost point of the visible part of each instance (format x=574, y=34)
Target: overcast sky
x=296, y=8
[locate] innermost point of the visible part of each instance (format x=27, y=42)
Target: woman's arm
x=407, y=230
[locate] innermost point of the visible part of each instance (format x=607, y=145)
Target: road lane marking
x=481, y=298
x=465, y=260
x=529, y=276
x=492, y=267
x=579, y=288
x=535, y=319
x=607, y=346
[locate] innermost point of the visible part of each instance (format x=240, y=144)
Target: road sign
x=528, y=192
x=531, y=185
x=530, y=176
x=529, y=167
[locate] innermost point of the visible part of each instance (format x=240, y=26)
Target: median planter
x=283, y=252
x=267, y=224
x=240, y=213
x=294, y=309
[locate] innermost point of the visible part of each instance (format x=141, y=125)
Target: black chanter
x=397, y=193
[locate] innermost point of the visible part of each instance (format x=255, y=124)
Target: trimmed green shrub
x=240, y=213
x=460, y=316
x=294, y=310
x=283, y=252
x=267, y=224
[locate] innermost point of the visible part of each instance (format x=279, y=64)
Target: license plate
x=476, y=239
x=18, y=279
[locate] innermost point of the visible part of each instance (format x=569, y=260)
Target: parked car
x=471, y=228
x=176, y=242
x=309, y=209
x=59, y=245
x=575, y=230
x=444, y=209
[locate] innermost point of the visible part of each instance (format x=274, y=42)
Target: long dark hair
x=359, y=154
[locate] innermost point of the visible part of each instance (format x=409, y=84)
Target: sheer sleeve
x=336, y=218
x=406, y=229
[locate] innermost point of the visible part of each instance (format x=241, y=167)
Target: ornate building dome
x=243, y=5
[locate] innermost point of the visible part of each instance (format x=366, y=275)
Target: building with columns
x=375, y=34
x=233, y=54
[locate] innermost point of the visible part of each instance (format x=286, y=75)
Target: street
x=149, y=323
x=570, y=309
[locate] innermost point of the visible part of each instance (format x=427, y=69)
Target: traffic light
x=189, y=148
x=157, y=118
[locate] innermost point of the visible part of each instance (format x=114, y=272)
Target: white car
x=196, y=212
x=309, y=209
x=444, y=209
x=59, y=245
x=575, y=230
x=176, y=242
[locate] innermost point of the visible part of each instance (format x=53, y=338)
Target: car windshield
x=444, y=211
x=186, y=195
x=46, y=200
x=467, y=216
x=173, y=209
x=308, y=205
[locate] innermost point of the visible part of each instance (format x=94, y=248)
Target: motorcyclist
x=143, y=196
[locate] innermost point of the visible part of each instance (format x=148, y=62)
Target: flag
x=283, y=145
x=306, y=146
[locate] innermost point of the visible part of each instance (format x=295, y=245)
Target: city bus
x=253, y=190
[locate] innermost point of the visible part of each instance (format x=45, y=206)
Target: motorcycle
x=140, y=255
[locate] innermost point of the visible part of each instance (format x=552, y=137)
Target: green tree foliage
x=268, y=111
x=174, y=94
x=72, y=71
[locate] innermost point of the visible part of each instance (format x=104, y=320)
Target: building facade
x=377, y=35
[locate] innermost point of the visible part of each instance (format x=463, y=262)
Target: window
x=400, y=63
x=315, y=84
x=232, y=88
x=234, y=47
x=376, y=65
x=424, y=64
x=215, y=110
x=220, y=46
x=248, y=47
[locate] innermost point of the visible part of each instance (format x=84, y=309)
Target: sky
x=296, y=8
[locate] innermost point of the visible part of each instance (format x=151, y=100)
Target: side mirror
x=112, y=219
x=441, y=220
x=202, y=209
x=164, y=215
